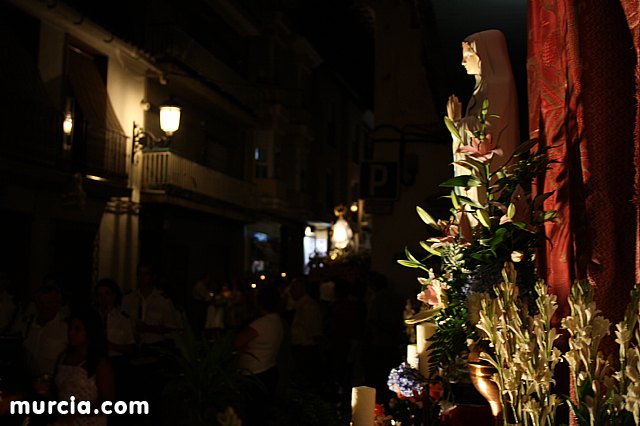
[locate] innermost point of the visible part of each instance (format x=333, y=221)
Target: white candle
x=412, y=356
x=424, y=330
x=363, y=404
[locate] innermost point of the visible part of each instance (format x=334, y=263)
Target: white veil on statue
x=495, y=83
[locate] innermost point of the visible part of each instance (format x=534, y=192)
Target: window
x=262, y=167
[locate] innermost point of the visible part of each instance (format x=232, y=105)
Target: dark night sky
x=340, y=33
x=341, y=36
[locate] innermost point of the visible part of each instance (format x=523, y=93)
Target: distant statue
x=485, y=56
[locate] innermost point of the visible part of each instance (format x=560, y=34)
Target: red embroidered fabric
x=580, y=67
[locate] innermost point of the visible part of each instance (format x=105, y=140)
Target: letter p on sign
x=378, y=179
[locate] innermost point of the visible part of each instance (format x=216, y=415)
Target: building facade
x=270, y=140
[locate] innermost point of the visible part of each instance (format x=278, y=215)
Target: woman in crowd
x=259, y=344
x=83, y=370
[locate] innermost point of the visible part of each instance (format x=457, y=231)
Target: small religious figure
x=485, y=56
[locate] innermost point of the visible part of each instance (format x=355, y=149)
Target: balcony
x=163, y=169
x=35, y=137
x=274, y=194
x=101, y=152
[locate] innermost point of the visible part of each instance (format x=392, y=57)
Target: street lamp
x=169, y=123
x=341, y=235
x=67, y=124
x=169, y=118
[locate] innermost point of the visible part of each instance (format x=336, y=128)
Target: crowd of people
x=321, y=335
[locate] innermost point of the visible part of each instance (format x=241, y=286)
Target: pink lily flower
x=482, y=151
x=523, y=209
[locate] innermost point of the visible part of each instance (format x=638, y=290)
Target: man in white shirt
x=45, y=333
x=153, y=314
x=117, y=324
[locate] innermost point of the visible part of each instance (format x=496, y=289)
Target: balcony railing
x=35, y=136
x=103, y=153
x=161, y=169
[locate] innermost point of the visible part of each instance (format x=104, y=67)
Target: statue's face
x=470, y=59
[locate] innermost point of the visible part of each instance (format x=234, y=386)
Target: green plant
x=204, y=380
x=494, y=218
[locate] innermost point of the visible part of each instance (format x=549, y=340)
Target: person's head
x=487, y=54
x=268, y=298
x=146, y=275
x=470, y=58
x=48, y=301
x=86, y=331
x=108, y=294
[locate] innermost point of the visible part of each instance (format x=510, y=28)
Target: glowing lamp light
x=354, y=207
x=342, y=234
x=283, y=275
x=263, y=277
x=254, y=285
x=169, y=118
x=67, y=124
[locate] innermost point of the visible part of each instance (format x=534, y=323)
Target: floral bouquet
x=493, y=219
x=407, y=383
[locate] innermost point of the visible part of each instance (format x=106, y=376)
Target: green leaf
x=500, y=232
x=484, y=257
x=466, y=200
x=484, y=110
x=453, y=129
x=430, y=249
x=483, y=218
x=471, y=164
x=511, y=210
x=408, y=263
x=484, y=241
x=549, y=215
x=426, y=218
x=464, y=181
x=410, y=256
x=496, y=240
x=454, y=200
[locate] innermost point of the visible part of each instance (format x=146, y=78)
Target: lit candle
x=363, y=403
x=412, y=356
x=424, y=330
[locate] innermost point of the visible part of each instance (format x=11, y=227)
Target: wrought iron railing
x=105, y=152
x=34, y=135
x=163, y=168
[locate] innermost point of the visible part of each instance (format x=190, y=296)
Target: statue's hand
x=454, y=108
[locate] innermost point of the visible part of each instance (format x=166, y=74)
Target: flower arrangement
x=407, y=382
x=607, y=392
x=604, y=396
x=523, y=352
x=493, y=219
